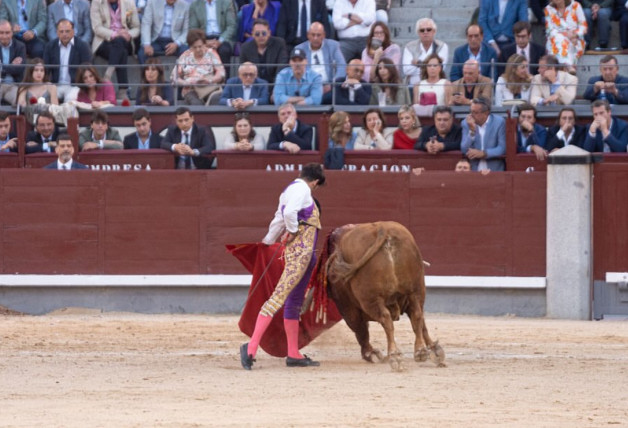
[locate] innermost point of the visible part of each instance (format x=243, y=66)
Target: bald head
x=316, y=35
x=355, y=69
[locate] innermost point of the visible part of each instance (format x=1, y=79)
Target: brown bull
x=375, y=273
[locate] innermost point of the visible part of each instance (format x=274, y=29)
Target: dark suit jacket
x=362, y=95
x=17, y=50
x=132, y=142
x=202, y=139
x=289, y=19
x=621, y=83
x=537, y=138
x=616, y=140
x=75, y=165
x=303, y=136
x=461, y=54
x=36, y=137
x=554, y=142
x=451, y=140
x=536, y=52
x=79, y=54
x=275, y=54
x=233, y=89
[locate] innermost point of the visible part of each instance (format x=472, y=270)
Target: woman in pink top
x=93, y=89
x=378, y=46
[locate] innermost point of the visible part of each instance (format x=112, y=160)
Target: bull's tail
x=343, y=271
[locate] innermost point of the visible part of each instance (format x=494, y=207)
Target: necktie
x=303, y=18
x=186, y=141
x=64, y=167
x=523, y=53
x=317, y=60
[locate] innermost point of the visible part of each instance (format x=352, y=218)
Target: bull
x=375, y=272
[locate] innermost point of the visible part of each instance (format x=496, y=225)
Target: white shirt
x=64, y=59
x=211, y=26
x=365, y=9
x=293, y=199
x=561, y=136
x=62, y=166
x=308, y=8
x=317, y=64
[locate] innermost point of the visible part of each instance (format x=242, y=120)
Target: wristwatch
x=349, y=17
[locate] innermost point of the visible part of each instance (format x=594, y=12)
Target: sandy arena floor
x=78, y=368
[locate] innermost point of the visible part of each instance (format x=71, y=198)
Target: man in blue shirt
x=297, y=84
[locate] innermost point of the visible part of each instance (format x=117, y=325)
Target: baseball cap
x=298, y=53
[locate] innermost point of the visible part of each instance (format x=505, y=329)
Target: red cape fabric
x=257, y=258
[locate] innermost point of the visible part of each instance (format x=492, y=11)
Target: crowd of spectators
x=312, y=52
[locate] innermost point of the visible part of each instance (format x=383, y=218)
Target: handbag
x=428, y=99
x=334, y=158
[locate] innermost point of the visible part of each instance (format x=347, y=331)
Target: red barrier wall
x=177, y=222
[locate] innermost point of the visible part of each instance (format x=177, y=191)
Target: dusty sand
x=80, y=368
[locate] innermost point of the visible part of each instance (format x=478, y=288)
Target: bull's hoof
x=437, y=355
x=396, y=362
x=421, y=355
x=368, y=356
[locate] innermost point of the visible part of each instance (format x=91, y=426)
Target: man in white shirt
x=416, y=51
x=352, y=20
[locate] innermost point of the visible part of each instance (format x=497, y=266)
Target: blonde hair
x=336, y=123
x=514, y=83
x=416, y=123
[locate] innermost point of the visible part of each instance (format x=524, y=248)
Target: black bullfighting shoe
x=302, y=362
x=246, y=359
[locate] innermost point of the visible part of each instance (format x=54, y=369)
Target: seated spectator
x=514, y=84
x=531, y=136
x=552, y=86
x=13, y=60
x=445, y=135
x=8, y=139
x=164, y=28
x=94, y=90
x=609, y=85
x=44, y=137
x=267, y=52
x=352, y=20
x=154, y=91
x=246, y=90
x=497, y=20
x=143, y=138
x=65, y=151
x=388, y=89
x=243, y=137
x=190, y=143
x=606, y=133
x=298, y=84
x=373, y=135
x=406, y=136
x=199, y=70
x=565, y=29
x=293, y=24
x=416, y=51
x=471, y=85
x=340, y=131
x=218, y=20
x=64, y=54
x=432, y=89
x=76, y=11
x=36, y=85
x=378, y=46
x=323, y=56
x=475, y=49
x=566, y=131
x=350, y=90
x=258, y=9
x=99, y=135
x=523, y=46
x=484, y=137
x=290, y=134
x=28, y=21
x=599, y=12
x=115, y=25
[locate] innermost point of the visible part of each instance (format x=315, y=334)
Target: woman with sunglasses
x=243, y=137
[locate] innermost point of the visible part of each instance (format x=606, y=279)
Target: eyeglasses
x=425, y=30
x=24, y=16
x=260, y=33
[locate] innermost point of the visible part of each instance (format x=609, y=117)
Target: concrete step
x=398, y=15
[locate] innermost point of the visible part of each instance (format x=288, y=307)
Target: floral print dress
x=556, y=24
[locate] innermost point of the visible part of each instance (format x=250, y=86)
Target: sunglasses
x=260, y=33
x=425, y=30
x=24, y=16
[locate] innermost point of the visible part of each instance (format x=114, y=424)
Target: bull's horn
x=426, y=263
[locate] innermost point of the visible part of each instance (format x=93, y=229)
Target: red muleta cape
x=257, y=258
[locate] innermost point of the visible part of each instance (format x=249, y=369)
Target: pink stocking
x=261, y=325
x=292, y=335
